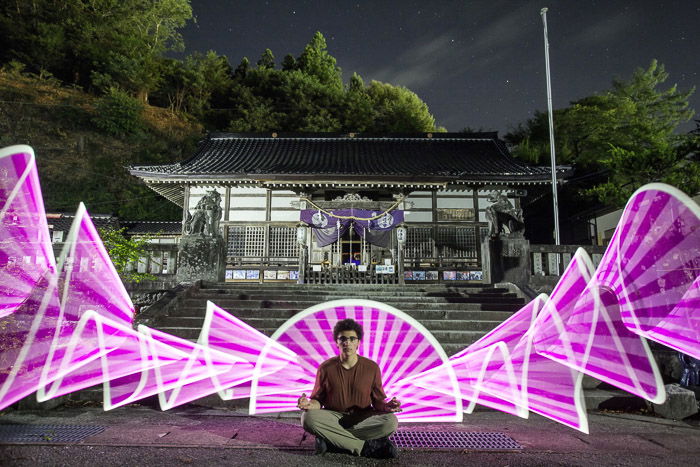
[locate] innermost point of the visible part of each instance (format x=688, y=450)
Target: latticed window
x=418, y=243
x=457, y=242
x=283, y=242
x=246, y=241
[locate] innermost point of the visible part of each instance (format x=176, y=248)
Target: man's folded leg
x=376, y=426
x=376, y=430
x=326, y=424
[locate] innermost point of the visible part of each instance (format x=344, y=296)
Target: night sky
x=477, y=64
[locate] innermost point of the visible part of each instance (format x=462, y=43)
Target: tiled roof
x=444, y=156
x=153, y=227
x=62, y=222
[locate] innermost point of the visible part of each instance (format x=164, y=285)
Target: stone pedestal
x=680, y=403
x=506, y=259
x=486, y=261
x=201, y=258
x=303, y=263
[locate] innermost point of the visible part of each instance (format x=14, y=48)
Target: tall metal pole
x=552, y=153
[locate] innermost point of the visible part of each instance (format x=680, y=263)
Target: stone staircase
x=456, y=316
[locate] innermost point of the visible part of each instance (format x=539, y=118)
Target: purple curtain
x=380, y=238
x=328, y=228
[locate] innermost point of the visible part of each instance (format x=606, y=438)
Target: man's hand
x=394, y=405
x=304, y=403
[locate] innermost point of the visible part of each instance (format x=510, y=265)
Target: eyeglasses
x=343, y=339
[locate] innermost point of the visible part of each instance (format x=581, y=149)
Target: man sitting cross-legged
x=348, y=409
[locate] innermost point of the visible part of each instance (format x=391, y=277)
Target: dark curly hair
x=347, y=325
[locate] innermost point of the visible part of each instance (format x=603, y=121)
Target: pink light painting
x=132, y=365
x=123, y=352
x=60, y=332
x=548, y=388
x=580, y=327
x=502, y=371
x=27, y=337
x=470, y=370
x=659, y=264
x=227, y=334
x=89, y=277
x=399, y=344
x=69, y=326
x=26, y=257
x=35, y=332
x=191, y=377
x=87, y=282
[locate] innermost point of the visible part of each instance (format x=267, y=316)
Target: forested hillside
x=80, y=161
x=93, y=88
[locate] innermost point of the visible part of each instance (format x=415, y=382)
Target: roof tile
x=445, y=155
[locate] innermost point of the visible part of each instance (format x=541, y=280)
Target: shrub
x=14, y=68
x=118, y=113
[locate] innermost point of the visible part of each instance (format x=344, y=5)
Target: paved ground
x=139, y=435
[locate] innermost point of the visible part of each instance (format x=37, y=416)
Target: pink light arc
x=659, y=265
x=68, y=327
x=24, y=231
x=581, y=327
x=191, y=377
x=225, y=333
x=399, y=344
x=502, y=371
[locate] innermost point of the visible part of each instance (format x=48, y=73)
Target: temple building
x=348, y=208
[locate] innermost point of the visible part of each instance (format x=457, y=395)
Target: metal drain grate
x=481, y=441
x=47, y=433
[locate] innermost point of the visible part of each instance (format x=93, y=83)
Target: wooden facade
x=440, y=182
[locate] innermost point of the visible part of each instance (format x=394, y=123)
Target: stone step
x=349, y=289
x=340, y=294
x=198, y=309
x=380, y=287
x=472, y=311
x=449, y=294
x=450, y=313
x=452, y=348
x=458, y=337
x=324, y=291
x=326, y=297
x=444, y=337
x=353, y=292
x=276, y=322
x=303, y=302
x=456, y=316
x=234, y=304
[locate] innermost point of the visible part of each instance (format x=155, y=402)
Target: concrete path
x=193, y=435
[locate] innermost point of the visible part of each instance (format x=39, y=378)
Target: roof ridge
x=152, y=222
x=356, y=138
x=397, y=157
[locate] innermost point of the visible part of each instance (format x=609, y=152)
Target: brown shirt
x=345, y=390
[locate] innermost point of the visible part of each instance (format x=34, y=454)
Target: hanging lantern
x=301, y=235
x=401, y=235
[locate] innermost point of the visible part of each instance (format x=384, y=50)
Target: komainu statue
x=206, y=216
x=502, y=216
x=690, y=375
